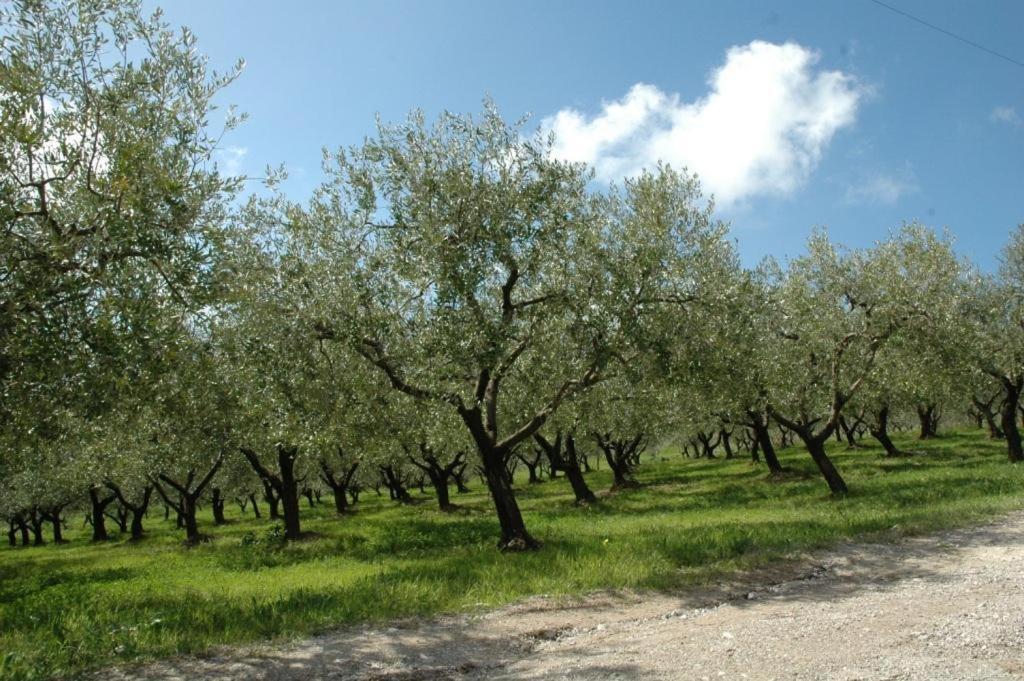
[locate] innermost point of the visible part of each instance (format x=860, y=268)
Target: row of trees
x=451, y=296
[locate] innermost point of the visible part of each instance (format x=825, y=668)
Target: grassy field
x=65, y=609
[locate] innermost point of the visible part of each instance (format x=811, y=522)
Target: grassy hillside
x=67, y=608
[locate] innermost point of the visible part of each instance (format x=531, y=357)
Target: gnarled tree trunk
x=1011, y=401
x=928, y=416
x=217, y=503
x=763, y=437
x=880, y=431
x=532, y=465
x=272, y=499
x=621, y=456
x=437, y=473
x=98, y=509
x=282, y=484
x=568, y=464
x=137, y=510
x=339, y=484
x=188, y=496
x=815, y=445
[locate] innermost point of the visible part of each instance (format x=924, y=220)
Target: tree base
x=627, y=484
x=788, y=475
x=198, y=539
x=519, y=545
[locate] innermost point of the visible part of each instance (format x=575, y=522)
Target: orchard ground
x=66, y=609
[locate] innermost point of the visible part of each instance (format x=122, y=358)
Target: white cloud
x=230, y=160
x=1006, y=114
x=761, y=129
x=883, y=188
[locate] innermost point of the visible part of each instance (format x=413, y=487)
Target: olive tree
x=839, y=311
x=993, y=318
x=473, y=253
x=107, y=177
x=307, y=409
x=624, y=416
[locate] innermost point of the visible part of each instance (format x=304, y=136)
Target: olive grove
x=451, y=298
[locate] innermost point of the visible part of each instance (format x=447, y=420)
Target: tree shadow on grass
x=28, y=587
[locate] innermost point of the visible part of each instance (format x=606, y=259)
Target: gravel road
x=945, y=606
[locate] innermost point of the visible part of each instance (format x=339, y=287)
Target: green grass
x=65, y=609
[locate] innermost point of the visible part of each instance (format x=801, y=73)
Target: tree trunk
x=1011, y=400
x=120, y=517
x=459, y=476
x=622, y=457
x=99, y=520
x=218, y=507
x=289, y=491
x=255, y=506
x=583, y=493
x=339, y=485
x=18, y=525
x=340, y=500
x=188, y=516
x=189, y=493
x=880, y=431
x=137, y=511
x=440, y=484
x=849, y=432
x=708, y=444
x=929, y=419
x=994, y=431
x=136, y=526
x=724, y=437
x=568, y=464
x=532, y=465
x=36, y=525
x=273, y=500
x=514, y=536
x=395, y=484
x=759, y=425
x=976, y=416
x=438, y=475
x=56, y=523
x=816, y=447
x=984, y=413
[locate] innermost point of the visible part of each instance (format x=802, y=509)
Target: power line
x=949, y=33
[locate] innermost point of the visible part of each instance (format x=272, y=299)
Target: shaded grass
x=65, y=609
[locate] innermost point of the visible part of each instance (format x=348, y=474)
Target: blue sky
x=797, y=114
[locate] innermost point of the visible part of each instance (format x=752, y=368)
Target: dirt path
x=947, y=606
